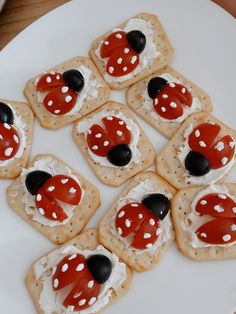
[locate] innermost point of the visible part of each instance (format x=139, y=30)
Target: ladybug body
x=87, y=275
x=62, y=90
x=48, y=190
x=9, y=136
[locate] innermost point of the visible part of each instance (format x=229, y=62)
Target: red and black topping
x=48, y=190
x=222, y=228
x=111, y=140
x=142, y=219
x=123, y=51
x=206, y=151
x=87, y=277
x=9, y=136
x=62, y=90
x=169, y=99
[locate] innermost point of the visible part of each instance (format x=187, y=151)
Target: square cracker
x=115, y=176
x=161, y=42
x=87, y=240
x=83, y=212
x=180, y=211
x=50, y=121
x=167, y=128
x=145, y=260
x=22, y=110
x=168, y=165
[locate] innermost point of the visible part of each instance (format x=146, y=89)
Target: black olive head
x=158, y=204
x=155, y=85
x=35, y=180
x=137, y=40
x=6, y=114
x=197, y=164
x=100, y=267
x=74, y=79
x=120, y=155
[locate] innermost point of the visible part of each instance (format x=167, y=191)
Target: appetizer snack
x=205, y=221
x=66, y=93
x=201, y=152
x=93, y=277
x=138, y=227
x=16, y=132
x=166, y=98
x=54, y=198
x=113, y=143
x=132, y=50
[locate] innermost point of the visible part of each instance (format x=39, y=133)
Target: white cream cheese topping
x=209, y=178
x=141, y=190
x=53, y=167
x=86, y=124
x=20, y=126
x=52, y=302
x=193, y=221
x=187, y=111
x=89, y=91
x=145, y=58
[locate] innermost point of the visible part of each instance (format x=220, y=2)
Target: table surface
x=18, y=14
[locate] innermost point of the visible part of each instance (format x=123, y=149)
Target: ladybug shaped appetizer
x=142, y=220
x=122, y=50
x=62, y=90
x=87, y=275
x=50, y=190
x=206, y=151
x=111, y=141
x=169, y=99
x=9, y=136
x=221, y=229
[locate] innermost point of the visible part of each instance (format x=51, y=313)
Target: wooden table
x=17, y=14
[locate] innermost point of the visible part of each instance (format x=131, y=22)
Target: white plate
x=204, y=39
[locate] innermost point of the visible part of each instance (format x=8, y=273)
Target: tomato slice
x=117, y=129
x=123, y=61
x=99, y=141
x=63, y=188
x=147, y=234
x=218, y=231
x=216, y=205
x=9, y=141
x=168, y=108
x=49, y=81
x=48, y=207
x=112, y=43
x=181, y=92
x=60, y=100
x=71, y=268
x=84, y=294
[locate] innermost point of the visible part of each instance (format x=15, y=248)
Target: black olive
x=158, y=204
x=155, y=85
x=197, y=164
x=74, y=79
x=137, y=40
x=35, y=179
x=100, y=267
x=120, y=155
x=6, y=114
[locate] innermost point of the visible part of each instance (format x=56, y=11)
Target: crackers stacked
x=183, y=199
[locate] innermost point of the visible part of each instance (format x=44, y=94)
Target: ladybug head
x=197, y=164
x=74, y=79
x=35, y=180
x=137, y=40
x=120, y=155
x=158, y=204
x=6, y=114
x=155, y=85
x=100, y=267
